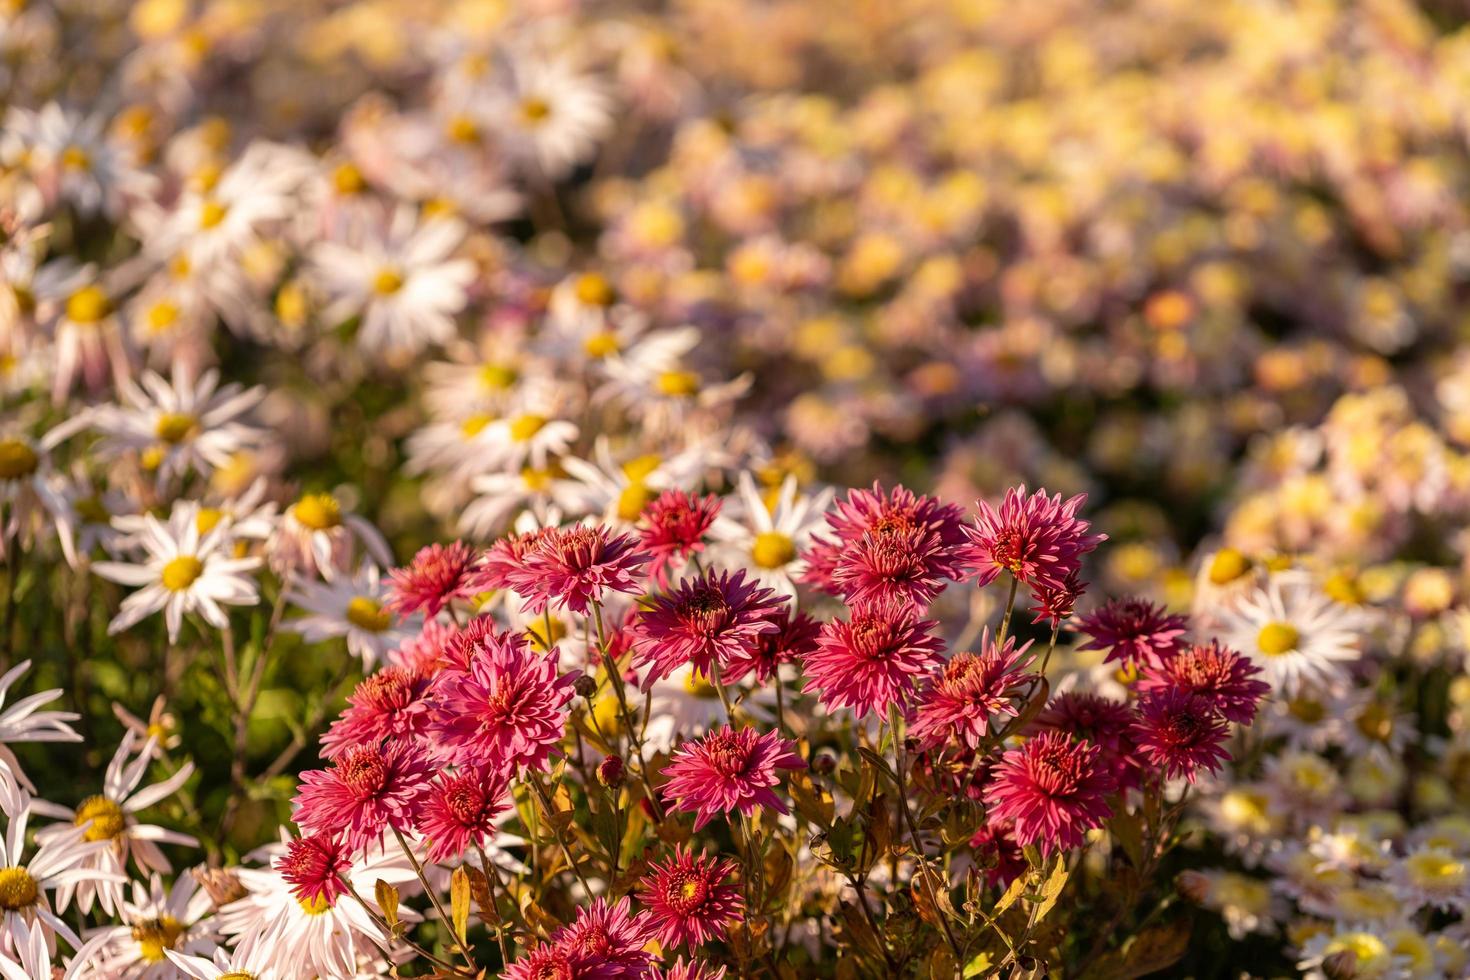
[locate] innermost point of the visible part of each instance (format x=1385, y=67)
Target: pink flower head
x=508, y=708
x=1180, y=733
x=545, y=962
x=393, y=703
x=1218, y=674
x=1101, y=721
x=895, y=546
x=673, y=528
x=998, y=853
x=437, y=576
x=314, y=866
x=1038, y=539
x=365, y=791
x=689, y=900
x=958, y=703
x=729, y=769
x=794, y=638
x=873, y=660
x=702, y=621
x=1054, y=787
x=575, y=566
x=459, y=646
x=425, y=651
x=692, y=970
x=504, y=560
x=1134, y=631
x=460, y=810
x=1054, y=602
x=606, y=940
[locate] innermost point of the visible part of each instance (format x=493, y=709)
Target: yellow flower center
x=237, y=975
x=537, y=481
x=633, y=499
x=174, y=427
x=76, y=158
x=211, y=213
x=156, y=935
x=535, y=110
x=17, y=889
x=92, y=510
x=677, y=384
x=1307, y=710
x=594, y=290
x=474, y=425
x=348, y=179
x=317, y=511
x=772, y=549
x=387, y=282
x=1277, y=638
x=698, y=685
x=498, y=377
x=1245, y=809
x=104, y=816
x=463, y=129
x=524, y=427
x=1227, y=566
x=603, y=343
x=181, y=573
x=1435, y=868
x=161, y=316
x=291, y=305
x=1343, y=588
x=208, y=519
x=1376, y=722
x=367, y=614
x=17, y=460
x=1365, y=946
x=88, y=305
x=316, y=906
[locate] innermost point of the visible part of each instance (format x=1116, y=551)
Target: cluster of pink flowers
x=433, y=746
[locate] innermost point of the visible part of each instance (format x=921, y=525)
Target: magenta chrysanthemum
x=873, y=660
x=314, y=866
x=1036, y=538
x=958, y=703
x=437, y=576
x=505, y=560
x=692, y=970
x=703, y=621
x=1101, y=721
x=507, y=708
x=544, y=962
x=1218, y=674
x=1134, y=631
x=366, y=791
x=672, y=529
x=1053, y=603
x=689, y=901
x=794, y=638
x=1054, y=787
x=606, y=940
x=577, y=566
x=393, y=703
x=729, y=769
x=460, y=810
x=1180, y=733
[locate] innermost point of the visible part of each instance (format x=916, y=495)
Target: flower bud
x=824, y=764
x=585, y=686
x=1342, y=965
x=610, y=772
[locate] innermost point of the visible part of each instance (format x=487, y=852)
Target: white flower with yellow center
x=224, y=215
x=401, y=279
x=619, y=490
x=1433, y=876
x=83, y=514
x=545, y=493
x=110, y=818
x=1303, y=782
x=586, y=326
x=1296, y=634
x=1368, y=952
x=654, y=383
x=1246, y=904
x=317, y=536
x=179, y=426
x=25, y=479
x=767, y=538
x=182, y=571
x=530, y=434
x=155, y=922
x=350, y=608
x=24, y=722
x=547, y=113
x=247, y=961
x=29, y=955
x=1247, y=817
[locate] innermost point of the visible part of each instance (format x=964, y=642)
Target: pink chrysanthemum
x=314, y=866
x=545, y=962
x=692, y=970
x=794, y=638
x=459, y=646
x=393, y=703
x=873, y=660
x=1101, y=721
x=958, y=703
x=1053, y=603
x=1218, y=674
x=460, y=810
x=702, y=621
x=508, y=708
x=576, y=566
x=504, y=560
x=1134, y=631
x=998, y=853
x=672, y=529
x=1038, y=539
x=899, y=546
x=437, y=576
x=606, y=940
x=1180, y=733
x=1054, y=787
x=729, y=769
x=365, y=791
x=425, y=651
x=688, y=899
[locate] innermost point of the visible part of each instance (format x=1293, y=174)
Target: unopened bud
x=824, y=764
x=610, y=772
x=223, y=886
x=1342, y=965
x=1193, y=886
x=585, y=686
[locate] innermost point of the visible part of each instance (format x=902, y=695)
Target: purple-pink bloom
x=435, y=577
x=703, y=621
x=960, y=700
x=393, y=703
x=1218, y=674
x=460, y=810
x=366, y=791
x=729, y=769
x=688, y=899
x=896, y=546
x=873, y=660
x=794, y=638
x=1054, y=787
x=576, y=566
x=1180, y=733
x=1134, y=631
x=672, y=528
x=607, y=940
x=1038, y=539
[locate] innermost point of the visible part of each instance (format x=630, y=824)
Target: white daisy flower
x=620, y=491
x=315, y=536
x=83, y=515
x=1433, y=876
x=155, y=922
x=28, y=955
x=183, y=571
x=1296, y=634
x=586, y=327
x=25, y=476
x=1371, y=954
x=768, y=541
x=548, y=114
x=24, y=722
x=110, y=818
x=659, y=390
x=89, y=345
x=402, y=281
x=350, y=608
x=247, y=961
x=179, y=426
x=72, y=159
x=1246, y=904
x=500, y=495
